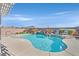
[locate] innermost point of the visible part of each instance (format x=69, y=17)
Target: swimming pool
x=47, y=43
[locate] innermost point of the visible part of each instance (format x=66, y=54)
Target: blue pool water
x=47, y=43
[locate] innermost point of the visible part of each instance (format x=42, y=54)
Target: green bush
x=70, y=32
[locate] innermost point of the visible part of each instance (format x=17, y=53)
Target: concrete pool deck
x=20, y=47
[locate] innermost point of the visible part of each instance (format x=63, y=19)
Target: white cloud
x=23, y=18
x=55, y=20
x=17, y=17
x=62, y=13
x=68, y=24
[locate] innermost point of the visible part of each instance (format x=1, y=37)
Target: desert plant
x=70, y=32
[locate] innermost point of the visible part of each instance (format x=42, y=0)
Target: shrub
x=70, y=32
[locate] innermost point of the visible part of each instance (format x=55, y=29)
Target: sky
x=42, y=15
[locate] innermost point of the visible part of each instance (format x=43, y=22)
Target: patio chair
x=77, y=36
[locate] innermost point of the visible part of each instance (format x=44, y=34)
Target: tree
x=49, y=30
x=61, y=31
x=70, y=32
